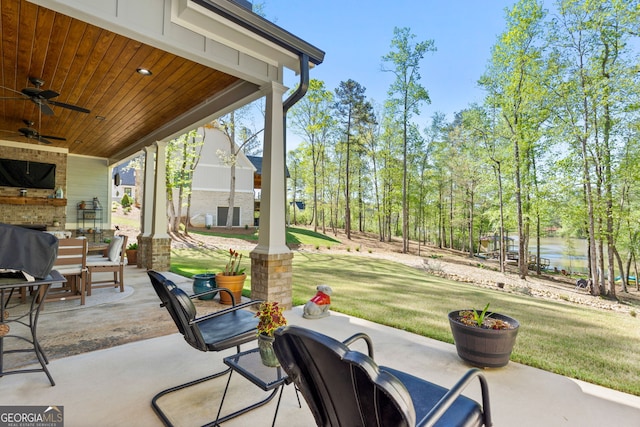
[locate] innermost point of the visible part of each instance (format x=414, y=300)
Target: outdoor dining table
x=28, y=318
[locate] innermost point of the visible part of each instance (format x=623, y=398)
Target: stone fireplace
x=37, y=208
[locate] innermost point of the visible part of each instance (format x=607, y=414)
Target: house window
x=222, y=216
x=127, y=191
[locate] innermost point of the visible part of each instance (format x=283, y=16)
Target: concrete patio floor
x=114, y=387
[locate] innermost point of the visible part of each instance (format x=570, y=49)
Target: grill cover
x=33, y=252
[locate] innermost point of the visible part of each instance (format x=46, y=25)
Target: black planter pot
x=484, y=348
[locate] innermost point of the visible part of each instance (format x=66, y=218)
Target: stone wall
x=35, y=214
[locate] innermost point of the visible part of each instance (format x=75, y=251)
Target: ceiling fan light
x=144, y=71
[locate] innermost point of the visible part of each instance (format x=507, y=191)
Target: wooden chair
x=112, y=263
x=71, y=262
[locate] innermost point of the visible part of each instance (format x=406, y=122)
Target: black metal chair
x=344, y=387
x=217, y=331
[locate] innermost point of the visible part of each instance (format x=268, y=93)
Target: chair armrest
x=361, y=336
x=447, y=400
x=226, y=310
x=215, y=291
x=209, y=292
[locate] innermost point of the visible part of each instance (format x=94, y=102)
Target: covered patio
x=87, y=85
x=114, y=386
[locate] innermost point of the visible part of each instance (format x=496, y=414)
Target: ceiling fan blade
x=59, y=138
x=43, y=140
x=48, y=94
x=69, y=106
x=44, y=108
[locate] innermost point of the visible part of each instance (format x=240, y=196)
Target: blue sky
x=356, y=34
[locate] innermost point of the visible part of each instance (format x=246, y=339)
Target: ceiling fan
x=31, y=133
x=43, y=97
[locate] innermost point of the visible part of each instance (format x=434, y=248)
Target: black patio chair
x=217, y=331
x=344, y=387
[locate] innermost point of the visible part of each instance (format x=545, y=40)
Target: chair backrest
x=117, y=248
x=180, y=307
x=71, y=253
x=342, y=387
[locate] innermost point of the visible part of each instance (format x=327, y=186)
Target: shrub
x=126, y=201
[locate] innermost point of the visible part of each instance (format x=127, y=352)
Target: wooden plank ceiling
x=94, y=69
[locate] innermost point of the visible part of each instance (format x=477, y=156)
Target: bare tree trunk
x=522, y=241
x=624, y=273
x=232, y=195
x=451, y=214
x=172, y=213
x=471, y=251
x=503, y=251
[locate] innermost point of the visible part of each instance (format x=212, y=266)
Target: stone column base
x=154, y=253
x=272, y=278
x=142, y=254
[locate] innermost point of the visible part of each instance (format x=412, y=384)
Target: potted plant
x=270, y=318
x=232, y=278
x=132, y=254
x=483, y=338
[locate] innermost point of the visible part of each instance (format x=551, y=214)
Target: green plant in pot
x=483, y=338
x=132, y=254
x=270, y=317
x=232, y=278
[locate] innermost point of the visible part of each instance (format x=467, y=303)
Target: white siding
x=87, y=177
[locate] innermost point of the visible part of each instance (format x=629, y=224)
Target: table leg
x=223, y=396
x=219, y=420
x=277, y=406
x=33, y=314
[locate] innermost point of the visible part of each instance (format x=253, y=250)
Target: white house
x=211, y=184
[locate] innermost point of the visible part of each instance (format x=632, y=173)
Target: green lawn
x=597, y=346
x=294, y=236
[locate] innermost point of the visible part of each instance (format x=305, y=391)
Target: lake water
x=568, y=254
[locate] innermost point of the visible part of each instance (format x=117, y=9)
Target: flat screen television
x=27, y=174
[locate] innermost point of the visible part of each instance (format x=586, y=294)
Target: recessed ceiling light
x=144, y=71
x=101, y=118
x=77, y=141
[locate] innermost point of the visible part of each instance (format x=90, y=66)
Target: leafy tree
x=354, y=110
x=238, y=135
x=183, y=154
x=406, y=94
x=311, y=117
x=481, y=123
x=512, y=82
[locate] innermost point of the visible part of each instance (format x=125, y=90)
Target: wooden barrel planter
x=482, y=347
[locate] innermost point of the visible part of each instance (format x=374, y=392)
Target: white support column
x=272, y=236
x=159, y=222
x=146, y=218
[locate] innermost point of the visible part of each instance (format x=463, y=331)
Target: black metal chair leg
x=154, y=401
x=242, y=411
